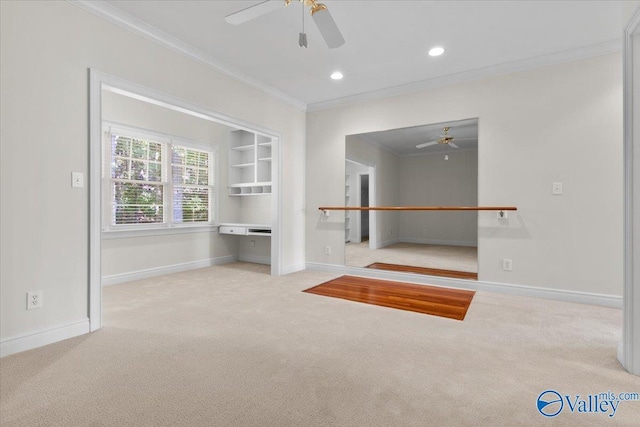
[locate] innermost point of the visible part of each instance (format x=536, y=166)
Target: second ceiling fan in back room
x=443, y=139
x=319, y=12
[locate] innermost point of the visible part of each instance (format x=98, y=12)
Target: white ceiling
x=402, y=142
x=386, y=41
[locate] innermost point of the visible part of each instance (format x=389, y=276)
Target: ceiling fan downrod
x=302, y=38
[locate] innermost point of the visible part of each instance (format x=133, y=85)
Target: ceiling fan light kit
x=319, y=12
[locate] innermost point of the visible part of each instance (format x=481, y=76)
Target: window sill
x=160, y=231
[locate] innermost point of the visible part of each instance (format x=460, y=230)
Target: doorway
x=100, y=82
x=427, y=165
x=364, y=202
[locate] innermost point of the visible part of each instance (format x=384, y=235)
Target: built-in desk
x=245, y=229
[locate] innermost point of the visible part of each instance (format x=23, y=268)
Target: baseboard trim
x=438, y=242
x=293, y=268
x=426, y=242
x=612, y=301
x=384, y=244
x=161, y=271
x=256, y=259
x=620, y=353
x=39, y=339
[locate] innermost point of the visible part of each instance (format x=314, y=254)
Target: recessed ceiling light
x=436, y=51
x=337, y=75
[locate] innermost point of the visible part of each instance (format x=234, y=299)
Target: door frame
x=629, y=350
x=373, y=236
x=360, y=175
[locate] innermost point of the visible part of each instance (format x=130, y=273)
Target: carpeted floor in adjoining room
x=460, y=258
x=232, y=346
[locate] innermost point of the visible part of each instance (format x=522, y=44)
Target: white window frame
x=111, y=230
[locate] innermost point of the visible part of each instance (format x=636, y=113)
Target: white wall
x=557, y=123
x=430, y=180
x=46, y=49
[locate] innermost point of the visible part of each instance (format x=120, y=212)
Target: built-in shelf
x=243, y=148
x=249, y=163
x=250, y=189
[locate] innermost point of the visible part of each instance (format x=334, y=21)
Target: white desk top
x=230, y=224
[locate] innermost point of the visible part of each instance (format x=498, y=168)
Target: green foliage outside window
x=138, y=182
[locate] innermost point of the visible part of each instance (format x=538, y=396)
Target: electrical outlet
x=34, y=300
x=327, y=250
x=253, y=243
x=507, y=264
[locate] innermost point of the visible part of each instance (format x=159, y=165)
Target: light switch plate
x=556, y=189
x=77, y=179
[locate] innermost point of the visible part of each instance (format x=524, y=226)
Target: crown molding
x=137, y=26
x=477, y=74
x=376, y=144
x=141, y=28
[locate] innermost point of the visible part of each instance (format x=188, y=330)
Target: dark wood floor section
x=437, y=301
x=423, y=270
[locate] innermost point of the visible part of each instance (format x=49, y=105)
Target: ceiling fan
x=319, y=12
x=443, y=139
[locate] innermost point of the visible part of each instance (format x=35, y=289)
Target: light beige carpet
x=458, y=258
x=232, y=346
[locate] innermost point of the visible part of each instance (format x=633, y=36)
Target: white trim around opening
x=99, y=81
x=629, y=349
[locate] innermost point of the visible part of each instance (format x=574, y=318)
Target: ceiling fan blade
x=426, y=144
x=466, y=139
x=328, y=28
x=451, y=144
x=252, y=12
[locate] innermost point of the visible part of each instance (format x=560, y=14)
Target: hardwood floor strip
x=424, y=270
x=434, y=300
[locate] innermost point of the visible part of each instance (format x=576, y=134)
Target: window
x=155, y=180
x=191, y=173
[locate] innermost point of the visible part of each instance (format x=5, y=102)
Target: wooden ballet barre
x=324, y=209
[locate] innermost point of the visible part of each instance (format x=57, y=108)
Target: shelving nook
x=249, y=163
x=347, y=216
